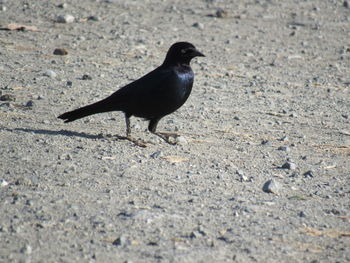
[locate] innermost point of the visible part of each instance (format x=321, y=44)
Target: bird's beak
x=196, y=53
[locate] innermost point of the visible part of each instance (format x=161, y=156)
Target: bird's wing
x=143, y=87
x=156, y=94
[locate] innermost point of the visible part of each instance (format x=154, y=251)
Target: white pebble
x=50, y=73
x=3, y=183
x=198, y=25
x=181, y=140
x=65, y=19
x=272, y=186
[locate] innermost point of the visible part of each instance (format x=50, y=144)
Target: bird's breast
x=177, y=92
x=184, y=85
x=161, y=92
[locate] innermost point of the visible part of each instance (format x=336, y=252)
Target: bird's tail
x=97, y=107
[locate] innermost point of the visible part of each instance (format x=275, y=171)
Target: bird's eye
x=186, y=51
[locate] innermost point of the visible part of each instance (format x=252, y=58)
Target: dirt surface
x=271, y=101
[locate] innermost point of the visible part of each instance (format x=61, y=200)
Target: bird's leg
x=128, y=128
x=128, y=134
x=152, y=127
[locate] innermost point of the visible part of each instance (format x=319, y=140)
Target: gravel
x=276, y=74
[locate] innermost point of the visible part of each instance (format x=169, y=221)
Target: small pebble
x=26, y=250
x=302, y=214
x=244, y=178
x=60, y=52
x=265, y=142
x=156, y=154
x=289, y=166
x=63, y=5
x=29, y=202
x=271, y=186
x=284, y=139
x=240, y=172
x=94, y=18
x=81, y=38
x=294, y=175
x=8, y=97
x=195, y=234
x=30, y=103
x=202, y=230
x=6, y=105
x=221, y=13
x=198, y=25
x=50, y=73
x=69, y=83
x=3, y=229
x=65, y=19
x=3, y=183
x=181, y=140
x=86, y=77
x=121, y=241
x=34, y=180
x=284, y=148
x=309, y=174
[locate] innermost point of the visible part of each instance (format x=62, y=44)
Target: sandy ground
x=271, y=101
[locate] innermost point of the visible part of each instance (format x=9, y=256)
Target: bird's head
x=181, y=53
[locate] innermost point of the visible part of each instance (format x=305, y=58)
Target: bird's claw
x=168, y=137
x=137, y=142
x=170, y=134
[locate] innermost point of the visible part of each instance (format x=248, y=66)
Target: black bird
x=153, y=96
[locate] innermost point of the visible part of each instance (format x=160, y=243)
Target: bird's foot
x=137, y=142
x=170, y=134
x=169, y=137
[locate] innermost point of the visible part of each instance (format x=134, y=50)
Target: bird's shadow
x=139, y=143
x=53, y=133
